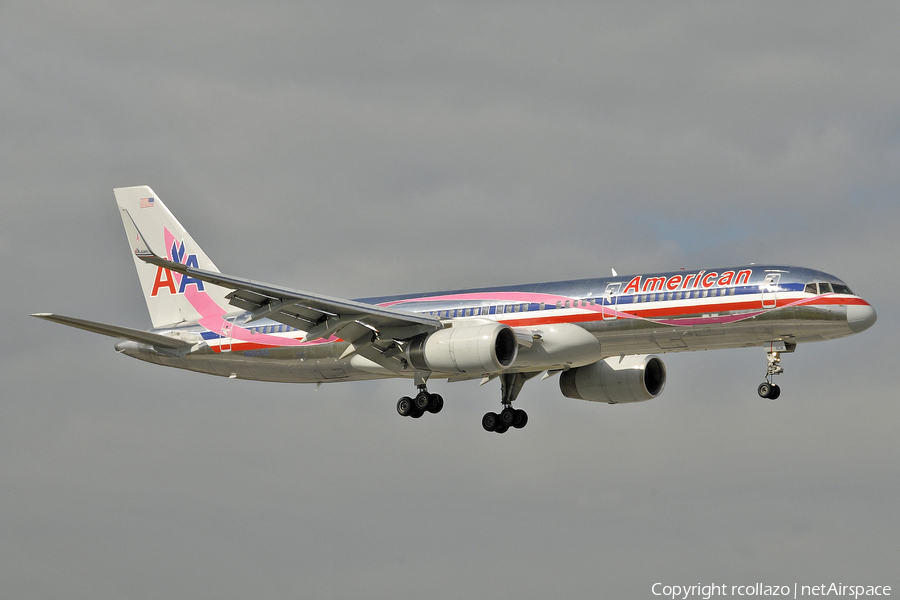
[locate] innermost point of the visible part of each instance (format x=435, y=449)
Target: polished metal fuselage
x=644, y=314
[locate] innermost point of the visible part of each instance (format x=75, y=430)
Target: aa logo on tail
x=165, y=279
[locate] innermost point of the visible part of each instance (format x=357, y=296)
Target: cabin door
x=770, y=290
x=611, y=301
x=227, y=328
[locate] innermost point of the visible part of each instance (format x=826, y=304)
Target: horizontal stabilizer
x=123, y=333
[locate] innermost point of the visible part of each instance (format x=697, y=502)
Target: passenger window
x=567, y=304
x=824, y=288
x=541, y=306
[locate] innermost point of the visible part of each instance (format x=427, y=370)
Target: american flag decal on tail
x=146, y=202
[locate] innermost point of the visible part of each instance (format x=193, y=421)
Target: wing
x=373, y=331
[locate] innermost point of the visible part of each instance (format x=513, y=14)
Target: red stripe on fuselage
x=686, y=310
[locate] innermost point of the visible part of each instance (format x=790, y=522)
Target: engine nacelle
x=487, y=348
x=614, y=380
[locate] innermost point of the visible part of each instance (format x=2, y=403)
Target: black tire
x=508, y=416
x=501, y=428
x=416, y=413
x=774, y=392
x=404, y=406
x=764, y=390
x=521, y=419
x=423, y=401
x=436, y=404
x=490, y=421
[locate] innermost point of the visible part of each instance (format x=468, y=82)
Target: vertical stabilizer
x=172, y=298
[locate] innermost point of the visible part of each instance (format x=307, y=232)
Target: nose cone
x=860, y=317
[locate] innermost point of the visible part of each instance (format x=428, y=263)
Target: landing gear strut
x=767, y=389
x=422, y=403
x=510, y=386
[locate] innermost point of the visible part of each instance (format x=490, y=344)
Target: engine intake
x=615, y=380
x=488, y=348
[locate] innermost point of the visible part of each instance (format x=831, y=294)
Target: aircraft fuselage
x=632, y=314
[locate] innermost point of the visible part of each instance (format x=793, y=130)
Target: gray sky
x=361, y=149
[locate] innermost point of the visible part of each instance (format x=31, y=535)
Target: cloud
x=357, y=150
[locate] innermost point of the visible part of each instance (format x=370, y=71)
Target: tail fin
x=171, y=298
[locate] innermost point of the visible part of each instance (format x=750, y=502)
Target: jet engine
x=616, y=380
x=488, y=348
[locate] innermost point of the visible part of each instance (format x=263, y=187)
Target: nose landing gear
x=768, y=389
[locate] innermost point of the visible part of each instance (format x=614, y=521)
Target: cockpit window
x=841, y=289
x=810, y=288
x=824, y=288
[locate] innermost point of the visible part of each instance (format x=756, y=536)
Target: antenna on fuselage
x=614, y=273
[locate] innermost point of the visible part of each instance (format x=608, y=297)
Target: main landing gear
x=508, y=417
x=510, y=386
x=767, y=389
x=422, y=403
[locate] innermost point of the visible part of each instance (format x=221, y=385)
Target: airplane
x=602, y=336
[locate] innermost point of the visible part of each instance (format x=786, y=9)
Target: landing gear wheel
x=423, y=400
x=490, y=421
x=768, y=390
x=508, y=416
x=501, y=428
x=521, y=419
x=436, y=404
x=416, y=413
x=405, y=406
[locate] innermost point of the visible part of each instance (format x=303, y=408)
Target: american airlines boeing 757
x=601, y=336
